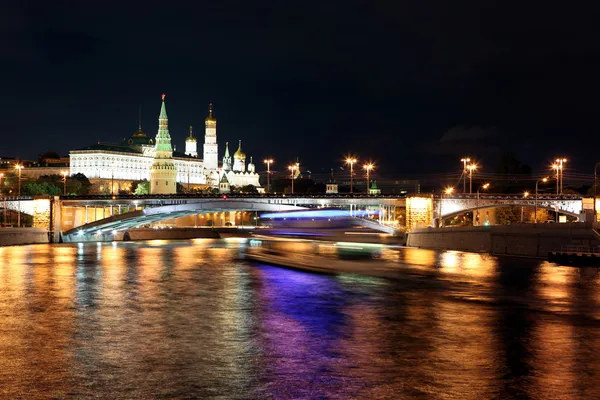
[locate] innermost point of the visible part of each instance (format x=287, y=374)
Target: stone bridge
x=423, y=211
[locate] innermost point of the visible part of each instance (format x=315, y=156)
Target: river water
x=189, y=319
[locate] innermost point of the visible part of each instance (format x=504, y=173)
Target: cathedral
x=140, y=157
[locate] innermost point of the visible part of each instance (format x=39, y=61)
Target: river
x=189, y=319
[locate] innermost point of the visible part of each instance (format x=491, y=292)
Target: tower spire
x=191, y=136
x=140, y=119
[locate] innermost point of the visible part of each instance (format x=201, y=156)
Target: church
x=141, y=157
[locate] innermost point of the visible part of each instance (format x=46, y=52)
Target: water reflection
x=189, y=320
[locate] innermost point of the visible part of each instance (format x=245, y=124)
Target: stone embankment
x=528, y=240
x=15, y=236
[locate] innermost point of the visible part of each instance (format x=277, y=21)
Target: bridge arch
x=133, y=219
x=540, y=207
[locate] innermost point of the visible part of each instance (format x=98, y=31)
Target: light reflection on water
x=190, y=320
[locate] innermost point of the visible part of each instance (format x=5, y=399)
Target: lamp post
x=471, y=168
x=112, y=178
x=559, y=169
x=351, y=161
x=525, y=195
x=368, y=168
x=465, y=161
x=1, y=196
x=595, y=184
x=268, y=161
x=448, y=191
x=484, y=187
x=64, y=179
x=536, y=198
x=19, y=168
x=292, y=169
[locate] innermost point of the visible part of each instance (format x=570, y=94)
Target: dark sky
x=413, y=85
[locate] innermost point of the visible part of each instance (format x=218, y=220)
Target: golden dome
x=210, y=117
x=239, y=154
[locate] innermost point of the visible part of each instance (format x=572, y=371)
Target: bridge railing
x=229, y=195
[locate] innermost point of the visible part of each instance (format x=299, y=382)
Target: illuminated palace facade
x=133, y=159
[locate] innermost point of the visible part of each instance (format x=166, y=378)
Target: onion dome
x=190, y=138
x=239, y=154
x=210, y=117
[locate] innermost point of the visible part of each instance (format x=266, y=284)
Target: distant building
x=140, y=157
x=374, y=190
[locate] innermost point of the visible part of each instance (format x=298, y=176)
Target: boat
x=320, y=256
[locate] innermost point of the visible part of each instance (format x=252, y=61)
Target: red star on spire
x=163, y=96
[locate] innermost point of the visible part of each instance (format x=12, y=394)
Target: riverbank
x=17, y=236
x=528, y=240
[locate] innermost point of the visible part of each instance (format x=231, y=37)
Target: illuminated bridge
x=95, y=216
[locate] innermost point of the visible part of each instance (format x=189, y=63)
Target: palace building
x=141, y=157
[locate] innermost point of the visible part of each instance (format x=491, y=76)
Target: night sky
x=412, y=85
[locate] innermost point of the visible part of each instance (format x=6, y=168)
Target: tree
x=142, y=188
x=82, y=187
x=508, y=215
x=542, y=215
x=41, y=189
x=247, y=189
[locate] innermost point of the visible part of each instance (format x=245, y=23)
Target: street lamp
x=19, y=167
x=545, y=179
x=351, y=161
x=525, y=195
x=471, y=168
x=484, y=187
x=268, y=161
x=368, y=168
x=595, y=184
x=465, y=161
x=292, y=169
x=448, y=191
x=1, y=195
x=559, y=163
x=64, y=179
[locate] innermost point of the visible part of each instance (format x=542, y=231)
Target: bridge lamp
x=19, y=167
x=465, y=161
x=471, y=168
x=525, y=194
x=544, y=180
x=368, y=167
x=448, y=191
x=293, y=169
x=484, y=187
x=268, y=161
x=351, y=161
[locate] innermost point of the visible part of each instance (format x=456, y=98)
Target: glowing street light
x=471, y=168
x=293, y=169
x=560, y=163
x=351, y=161
x=268, y=161
x=64, y=179
x=368, y=168
x=544, y=180
x=19, y=167
x=525, y=195
x=465, y=161
x=595, y=185
x=1, y=195
x=484, y=187
x=448, y=191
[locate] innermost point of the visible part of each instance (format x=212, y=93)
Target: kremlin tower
x=163, y=174
x=211, y=156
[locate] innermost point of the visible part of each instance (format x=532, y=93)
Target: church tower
x=239, y=160
x=211, y=151
x=163, y=174
x=191, y=145
x=227, y=163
